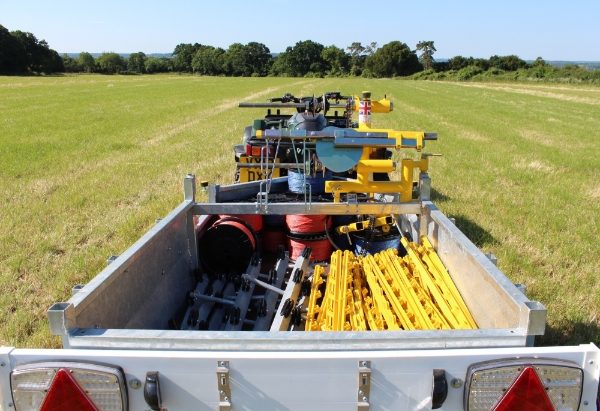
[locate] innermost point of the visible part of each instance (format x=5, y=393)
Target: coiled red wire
x=321, y=248
x=307, y=224
x=309, y=231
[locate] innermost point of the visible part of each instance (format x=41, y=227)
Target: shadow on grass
x=570, y=333
x=438, y=197
x=477, y=234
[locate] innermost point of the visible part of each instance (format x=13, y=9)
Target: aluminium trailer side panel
x=479, y=280
x=288, y=380
x=142, y=287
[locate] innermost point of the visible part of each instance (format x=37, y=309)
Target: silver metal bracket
x=189, y=187
x=111, y=258
x=262, y=197
x=364, y=385
x=76, y=288
x=492, y=257
x=223, y=385
x=424, y=187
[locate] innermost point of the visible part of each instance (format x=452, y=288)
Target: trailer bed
x=134, y=301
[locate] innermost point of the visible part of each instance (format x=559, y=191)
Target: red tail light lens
x=65, y=394
x=526, y=393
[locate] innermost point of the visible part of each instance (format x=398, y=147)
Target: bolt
x=10, y=405
x=586, y=403
x=2, y=364
x=135, y=383
x=360, y=392
x=456, y=383
x=365, y=399
x=591, y=362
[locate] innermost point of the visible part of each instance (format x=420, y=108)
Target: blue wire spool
x=376, y=244
x=317, y=183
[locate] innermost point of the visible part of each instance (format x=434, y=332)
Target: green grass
x=87, y=163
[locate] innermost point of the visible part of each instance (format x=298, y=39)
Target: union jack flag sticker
x=364, y=108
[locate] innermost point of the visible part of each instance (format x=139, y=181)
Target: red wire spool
x=227, y=246
x=272, y=239
x=321, y=247
x=255, y=221
x=307, y=224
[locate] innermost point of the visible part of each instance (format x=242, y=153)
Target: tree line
x=305, y=58
x=22, y=53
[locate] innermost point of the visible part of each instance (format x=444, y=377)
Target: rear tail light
x=257, y=150
x=67, y=386
x=524, y=384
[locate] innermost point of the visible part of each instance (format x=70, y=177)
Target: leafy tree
x=458, y=62
x=393, y=59
x=355, y=49
x=483, y=64
x=305, y=58
x=136, y=62
x=183, y=55
x=70, y=64
x=87, y=62
x=336, y=60
x=540, y=69
x=158, y=65
x=111, y=63
x=37, y=56
x=357, y=57
x=12, y=54
x=252, y=59
x=209, y=61
x=281, y=65
x=507, y=63
x=371, y=48
x=28, y=45
x=427, y=49
x=236, y=61
x=258, y=58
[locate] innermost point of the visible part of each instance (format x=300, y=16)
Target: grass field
x=88, y=163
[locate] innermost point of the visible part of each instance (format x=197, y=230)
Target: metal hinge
x=364, y=385
x=223, y=386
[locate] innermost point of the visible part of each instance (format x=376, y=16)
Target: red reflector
x=66, y=395
x=527, y=393
x=256, y=150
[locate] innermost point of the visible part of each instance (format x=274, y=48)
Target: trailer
x=228, y=304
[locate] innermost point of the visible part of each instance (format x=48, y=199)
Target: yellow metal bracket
x=381, y=221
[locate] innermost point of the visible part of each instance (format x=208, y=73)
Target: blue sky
x=555, y=30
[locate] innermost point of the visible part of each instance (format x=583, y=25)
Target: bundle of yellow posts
x=386, y=292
